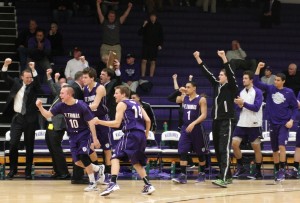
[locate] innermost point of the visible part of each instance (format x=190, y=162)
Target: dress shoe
x=54, y=176
x=28, y=177
x=81, y=181
x=64, y=176
x=11, y=175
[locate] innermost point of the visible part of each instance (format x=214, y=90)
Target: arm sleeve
x=231, y=78
x=212, y=79
x=257, y=102
x=260, y=84
x=172, y=97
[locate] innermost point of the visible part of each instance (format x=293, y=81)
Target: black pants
x=222, y=132
x=19, y=125
x=53, y=140
x=249, y=64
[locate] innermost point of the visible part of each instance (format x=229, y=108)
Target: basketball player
x=249, y=125
x=94, y=95
x=281, y=107
x=223, y=114
x=133, y=143
x=78, y=118
x=193, y=137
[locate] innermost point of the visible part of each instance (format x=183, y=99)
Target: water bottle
x=32, y=171
x=133, y=175
x=1, y=172
x=252, y=168
x=165, y=126
x=173, y=169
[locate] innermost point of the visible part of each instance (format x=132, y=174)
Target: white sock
x=95, y=167
x=92, y=178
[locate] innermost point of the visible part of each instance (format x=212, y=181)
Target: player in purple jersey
x=193, y=137
x=133, y=143
x=249, y=125
x=78, y=118
x=94, y=95
x=294, y=173
x=281, y=107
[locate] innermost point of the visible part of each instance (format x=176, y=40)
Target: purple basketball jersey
x=191, y=110
x=133, y=118
x=76, y=116
x=89, y=97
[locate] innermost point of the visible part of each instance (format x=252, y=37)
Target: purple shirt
x=281, y=105
x=76, y=116
x=130, y=72
x=89, y=97
x=191, y=110
x=133, y=118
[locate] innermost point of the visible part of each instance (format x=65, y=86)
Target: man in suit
x=111, y=78
x=55, y=132
x=77, y=85
x=21, y=103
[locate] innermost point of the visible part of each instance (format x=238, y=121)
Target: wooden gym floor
x=241, y=191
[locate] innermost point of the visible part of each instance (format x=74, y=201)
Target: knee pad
x=202, y=158
x=183, y=157
x=85, y=159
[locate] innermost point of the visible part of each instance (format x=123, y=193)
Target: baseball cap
x=130, y=56
x=269, y=68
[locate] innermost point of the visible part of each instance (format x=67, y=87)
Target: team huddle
x=89, y=126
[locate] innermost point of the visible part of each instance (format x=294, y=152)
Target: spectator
x=39, y=51
x=237, y=58
x=205, y=3
x=269, y=77
x=22, y=42
x=59, y=80
x=62, y=8
x=270, y=13
x=78, y=63
x=77, y=85
x=110, y=79
x=56, y=40
x=147, y=107
x=111, y=30
x=154, y=5
x=292, y=80
x=131, y=73
x=152, y=33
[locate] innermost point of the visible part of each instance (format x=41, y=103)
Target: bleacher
x=186, y=30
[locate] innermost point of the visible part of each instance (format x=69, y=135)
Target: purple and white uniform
x=133, y=143
x=76, y=117
x=298, y=129
x=104, y=133
x=195, y=141
x=281, y=106
x=250, y=121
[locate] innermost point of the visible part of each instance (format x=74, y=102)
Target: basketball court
x=244, y=191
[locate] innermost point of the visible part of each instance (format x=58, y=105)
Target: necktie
x=25, y=97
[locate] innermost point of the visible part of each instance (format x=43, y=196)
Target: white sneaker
x=91, y=187
x=110, y=188
x=100, y=177
x=148, y=190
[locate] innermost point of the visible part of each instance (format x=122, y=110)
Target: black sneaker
x=239, y=171
x=256, y=176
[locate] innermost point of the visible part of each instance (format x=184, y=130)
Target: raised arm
x=53, y=86
x=179, y=99
x=212, y=79
x=100, y=93
x=126, y=13
x=256, y=80
x=175, y=82
x=99, y=11
x=9, y=80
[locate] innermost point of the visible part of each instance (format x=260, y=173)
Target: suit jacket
x=58, y=120
x=15, y=84
x=78, y=93
x=110, y=100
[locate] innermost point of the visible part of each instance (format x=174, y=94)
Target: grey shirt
x=269, y=81
x=111, y=32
